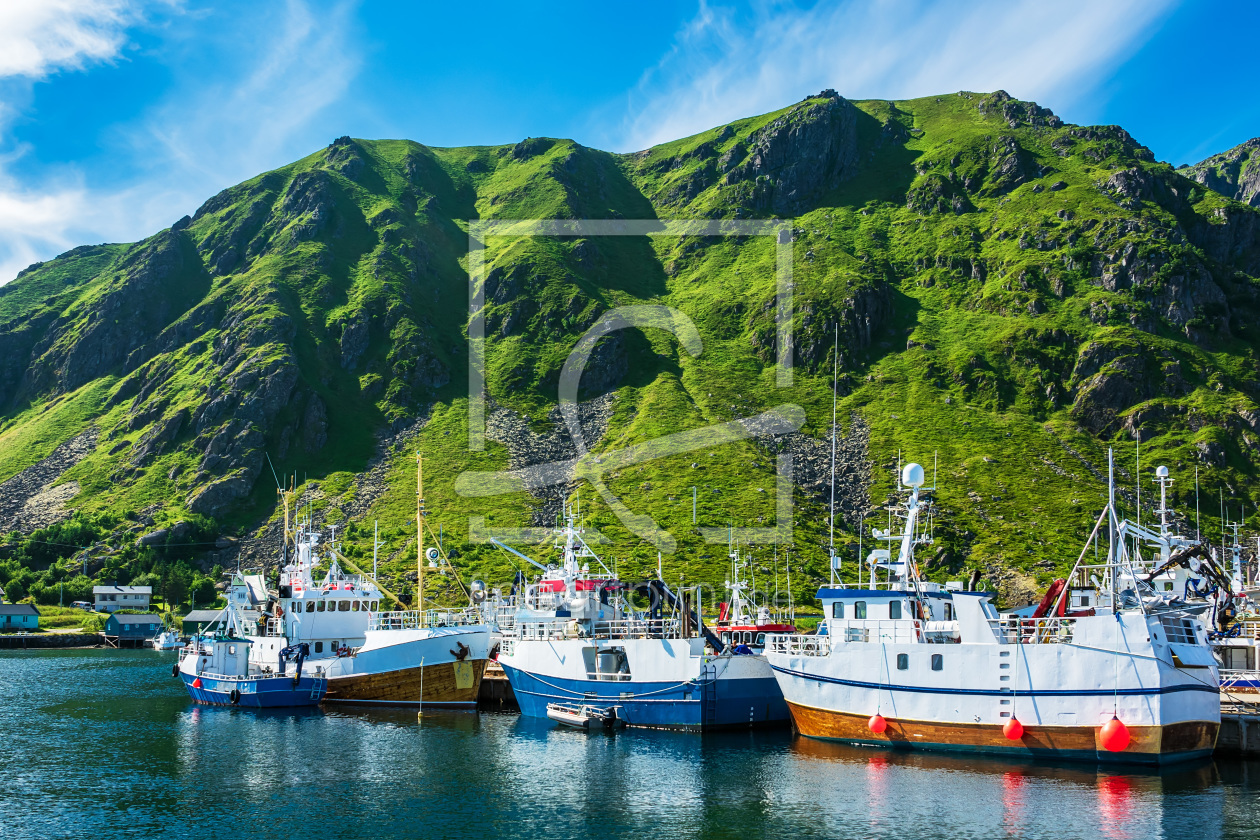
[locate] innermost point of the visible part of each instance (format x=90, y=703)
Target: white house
x=112, y=598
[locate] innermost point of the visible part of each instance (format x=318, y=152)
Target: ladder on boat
x=708, y=694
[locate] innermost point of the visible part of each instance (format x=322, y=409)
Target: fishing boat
x=217, y=670
x=576, y=640
x=433, y=657
x=907, y=664
x=741, y=622
x=167, y=639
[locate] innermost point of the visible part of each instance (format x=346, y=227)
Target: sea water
x=106, y=743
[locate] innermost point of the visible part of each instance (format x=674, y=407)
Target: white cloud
x=272, y=75
x=722, y=68
x=38, y=37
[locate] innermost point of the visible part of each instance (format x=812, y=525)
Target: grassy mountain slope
x=1007, y=295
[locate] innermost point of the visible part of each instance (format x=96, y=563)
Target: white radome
x=912, y=475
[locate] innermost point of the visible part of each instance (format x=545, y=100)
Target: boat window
x=949, y=612
x=310, y=606
x=837, y=609
x=319, y=647
x=859, y=609
x=321, y=606
x=345, y=606
x=938, y=662
x=375, y=604
x=903, y=661
x=761, y=640
x=726, y=638
x=231, y=650
x=894, y=609
x=354, y=605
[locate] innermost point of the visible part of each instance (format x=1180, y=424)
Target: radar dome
x=912, y=475
x=1161, y=472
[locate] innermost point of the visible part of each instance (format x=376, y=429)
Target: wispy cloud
x=38, y=37
x=727, y=64
x=269, y=77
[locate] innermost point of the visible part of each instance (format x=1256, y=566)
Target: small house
x=112, y=598
x=133, y=627
x=18, y=617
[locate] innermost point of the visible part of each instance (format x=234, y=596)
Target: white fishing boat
x=575, y=640
x=905, y=663
x=367, y=654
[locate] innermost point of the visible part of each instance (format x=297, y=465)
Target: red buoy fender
x=1014, y=730
x=1115, y=735
x=877, y=724
x=197, y=683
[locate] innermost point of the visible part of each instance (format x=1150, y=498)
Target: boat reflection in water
x=1021, y=799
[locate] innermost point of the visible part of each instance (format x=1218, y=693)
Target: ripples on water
x=106, y=743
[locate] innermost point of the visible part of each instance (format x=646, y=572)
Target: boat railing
x=1017, y=630
x=415, y=620
x=798, y=645
x=638, y=628
x=1230, y=678
x=625, y=628
x=889, y=630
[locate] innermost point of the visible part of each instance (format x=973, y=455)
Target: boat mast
x=831, y=525
x=419, y=534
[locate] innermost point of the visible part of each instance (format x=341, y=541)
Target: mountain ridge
x=1013, y=290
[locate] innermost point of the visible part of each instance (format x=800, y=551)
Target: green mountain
x=1235, y=173
x=1007, y=296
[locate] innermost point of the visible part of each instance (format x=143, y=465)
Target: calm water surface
x=107, y=744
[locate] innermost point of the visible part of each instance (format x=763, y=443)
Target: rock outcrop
x=1235, y=173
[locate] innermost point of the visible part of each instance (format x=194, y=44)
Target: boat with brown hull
x=906, y=664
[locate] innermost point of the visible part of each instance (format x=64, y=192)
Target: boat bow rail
x=799, y=645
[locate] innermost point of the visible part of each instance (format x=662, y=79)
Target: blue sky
x=119, y=116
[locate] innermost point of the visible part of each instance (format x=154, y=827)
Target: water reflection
x=106, y=738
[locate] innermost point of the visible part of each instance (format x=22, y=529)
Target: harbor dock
x=1240, y=730
x=496, y=691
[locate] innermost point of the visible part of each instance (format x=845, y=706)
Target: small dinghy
x=584, y=717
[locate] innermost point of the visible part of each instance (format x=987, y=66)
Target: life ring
x=235, y=696
x=175, y=670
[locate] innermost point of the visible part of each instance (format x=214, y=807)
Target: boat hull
x=446, y=684
x=1153, y=745
x=276, y=692
x=420, y=666
x=960, y=696
x=674, y=686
